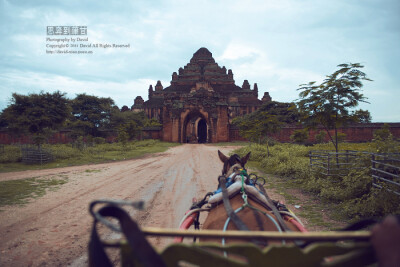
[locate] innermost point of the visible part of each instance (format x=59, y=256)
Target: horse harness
x=273, y=206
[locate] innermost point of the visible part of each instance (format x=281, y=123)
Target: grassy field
x=311, y=206
x=68, y=155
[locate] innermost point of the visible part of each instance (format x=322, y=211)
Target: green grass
x=90, y=171
x=310, y=208
x=236, y=143
x=349, y=198
x=18, y=192
x=66, y=155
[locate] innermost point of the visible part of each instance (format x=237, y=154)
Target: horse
x=244, y=204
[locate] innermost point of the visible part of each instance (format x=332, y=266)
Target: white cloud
x=238, y=51
x=254, y=64
x=123, y=93
x=278, y=44
x=29, y=13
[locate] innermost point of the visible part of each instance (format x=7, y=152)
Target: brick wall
x=354, y=133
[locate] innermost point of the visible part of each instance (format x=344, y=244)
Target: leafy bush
x=377, y=203
x=10, y=154
x=353, y=194
x=320, y=137
x=354, y=185
x=60, y=151
x=341, y=136
x=258, y=152
x=299, y=136
x=99, y=140
x=384, y=142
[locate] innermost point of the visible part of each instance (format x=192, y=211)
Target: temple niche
x=200, y=103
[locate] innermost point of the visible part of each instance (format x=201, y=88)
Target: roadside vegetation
x=19, y=192
x=329, y=105
x=351, y=197
x=81, y=154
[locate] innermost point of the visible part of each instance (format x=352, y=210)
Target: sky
x=277, y=44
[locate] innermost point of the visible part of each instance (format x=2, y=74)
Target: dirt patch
x=54, y=229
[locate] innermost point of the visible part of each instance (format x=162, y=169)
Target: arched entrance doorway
x=202, y=131
x=195, y=128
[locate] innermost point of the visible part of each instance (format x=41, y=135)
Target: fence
x=384, y=168
x=34, y=156
x=385, y=171
x=331, y=163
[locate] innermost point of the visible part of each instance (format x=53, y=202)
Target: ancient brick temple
x=200, y=103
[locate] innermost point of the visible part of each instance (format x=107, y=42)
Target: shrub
x=341, y=136
x=299, y=136
x=99, y=140
x=258, y=152
x=353, y=194
x=60, y=151
x=377, y=203
x=384, y=142
x=320, y=137
x=10, y=154
x=354, y=185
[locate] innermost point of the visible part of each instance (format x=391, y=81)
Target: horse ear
x=222, y=157
x=246, y=158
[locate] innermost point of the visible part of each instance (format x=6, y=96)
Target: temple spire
x=150, y=91
x=159, y=86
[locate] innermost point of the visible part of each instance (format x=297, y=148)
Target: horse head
x=232, y=163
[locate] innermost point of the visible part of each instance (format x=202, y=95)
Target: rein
x=231, y=214
x=280, y=224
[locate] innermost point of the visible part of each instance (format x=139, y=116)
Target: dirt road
x=54, y=230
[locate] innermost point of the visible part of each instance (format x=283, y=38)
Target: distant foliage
x=10, y=154
x=267, y=120
x=353, y=194
x=362, y=116
x=341, y=136
x=320, y=137
x=99, y=140
x=123, y=136
x=151, y=122
x=90, y=114
x=299, y=136
x=37, y=115
x=384, y=142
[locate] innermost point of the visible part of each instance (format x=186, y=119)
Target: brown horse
x=250, y=204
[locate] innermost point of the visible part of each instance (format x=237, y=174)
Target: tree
x=94, y=112
x=285, y=112
x=151, y=122
x=267, y=120
x=257, y=126
x=362, y=116
x=329, y=103
x=36, y=114
x=125, y=108
x=130, y=122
